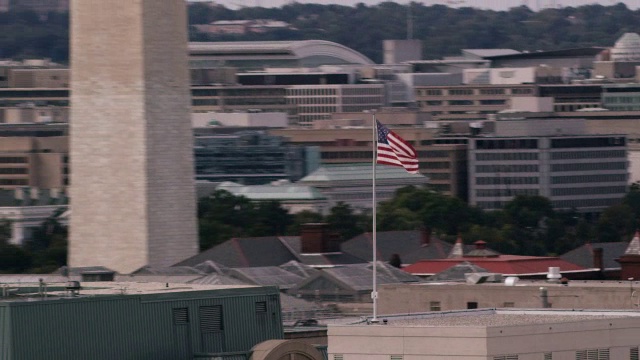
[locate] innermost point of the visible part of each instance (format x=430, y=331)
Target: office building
x=132, y=193
x=251, y=157
x=546, y=157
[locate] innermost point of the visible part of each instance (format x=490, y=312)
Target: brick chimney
x=425, y=236
x=315, y=238
x=598, y=259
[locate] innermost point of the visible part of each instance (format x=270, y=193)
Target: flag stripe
x=394, y=150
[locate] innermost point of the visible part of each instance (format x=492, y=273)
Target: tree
x=303, y=217
x=616, y=223
x=344, y=221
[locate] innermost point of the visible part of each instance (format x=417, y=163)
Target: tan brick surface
x=132, y=188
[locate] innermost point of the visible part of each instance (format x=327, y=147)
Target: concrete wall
x=402, y=299
x=529, y=342
x=132, y=192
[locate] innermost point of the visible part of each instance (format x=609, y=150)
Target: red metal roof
x=503, y=264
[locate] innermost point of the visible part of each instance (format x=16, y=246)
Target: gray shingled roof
x=359, y=277
x=583, y=255
x=408, y=244
x=268, y=275
x=245, y=252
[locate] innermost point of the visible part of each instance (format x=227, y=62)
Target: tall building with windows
x=546, y=157
x=132, y=189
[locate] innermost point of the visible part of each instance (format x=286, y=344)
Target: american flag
x=393, y=150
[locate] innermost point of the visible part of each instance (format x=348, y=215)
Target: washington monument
x=132, y=186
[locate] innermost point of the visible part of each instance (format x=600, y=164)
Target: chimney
x=425, y=236
x=315, y=238
x=480, y=245
x=598, y=259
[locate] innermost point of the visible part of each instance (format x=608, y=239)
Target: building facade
x=251, y=158
x=492, y=334
x=587, y=173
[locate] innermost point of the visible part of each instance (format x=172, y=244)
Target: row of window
x=14, y=171
x=570, y=204
x=14, y=182
x=362, y=100
x=312, y=100
x=589, y=166
x=505, y=192
x=13, y=160
x=362, y=91
x=506, y=156
x=487, y=91
x=589, y=190
x=507, y=144
x=579, y=179
x=588, y=142
x=317, y=109
x=506, y=168
x=572, y=155
x=308, y=92
x=515, y=180
x=462, y=102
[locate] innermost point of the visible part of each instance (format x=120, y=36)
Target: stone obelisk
x=132, y=186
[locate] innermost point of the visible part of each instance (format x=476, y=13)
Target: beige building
x=495, y=334
x=40, y=162
x=133, y=194
x=468, y=102
x=409, y=299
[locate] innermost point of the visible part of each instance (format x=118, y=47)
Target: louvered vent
x=548, y=356
x=506, y=357
x=338, y=357
x=180, y=316
x=592, y=354
x=633, y=353
x=211, y=318
x=396, y=357
x=261, y=307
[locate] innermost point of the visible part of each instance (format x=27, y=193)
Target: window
x=472, y=305
x=506, y=357
x=396, y=357
x=508, y=304
x=434, y=306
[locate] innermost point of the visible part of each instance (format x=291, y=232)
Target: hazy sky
x=485, y=4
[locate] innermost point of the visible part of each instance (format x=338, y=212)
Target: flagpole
x=374, y=293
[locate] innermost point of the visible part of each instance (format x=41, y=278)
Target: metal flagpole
x=374, y=293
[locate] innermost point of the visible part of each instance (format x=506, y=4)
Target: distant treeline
x=444, y=31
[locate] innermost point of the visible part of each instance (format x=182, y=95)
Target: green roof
x=273, y=192
x=358, y=171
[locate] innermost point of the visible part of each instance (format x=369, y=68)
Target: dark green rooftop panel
x=138, y=321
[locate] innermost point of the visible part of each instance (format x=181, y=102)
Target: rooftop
x=498, y=317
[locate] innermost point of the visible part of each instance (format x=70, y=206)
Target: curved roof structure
x=627, y=48
x=255, y=54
